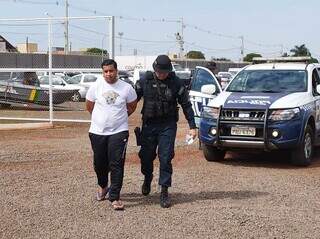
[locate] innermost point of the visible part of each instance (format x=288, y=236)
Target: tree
x=314, y=60
x=250, y=56
x=96, y=51
x=195, y=55
x=301, y=50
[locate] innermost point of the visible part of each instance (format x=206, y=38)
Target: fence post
x=50, y=69
x=111, y=40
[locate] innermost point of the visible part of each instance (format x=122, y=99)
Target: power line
x=124, y=38
x=142, y=19
x=263, y=45
x=88, y=30
x=27, y=24
x=210, y=32
x=36, y=2
x=212, y=49
x=24, y=33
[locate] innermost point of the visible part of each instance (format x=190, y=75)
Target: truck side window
x=202, y=78
x=315, y=81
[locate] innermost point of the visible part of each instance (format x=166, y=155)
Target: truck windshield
x=272, y=81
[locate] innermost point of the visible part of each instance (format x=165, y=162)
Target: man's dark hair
x=109, y=62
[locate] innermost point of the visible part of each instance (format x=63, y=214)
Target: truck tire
x=212, y=153
x=302, y=155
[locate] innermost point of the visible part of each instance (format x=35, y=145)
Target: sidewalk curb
x=23, y=126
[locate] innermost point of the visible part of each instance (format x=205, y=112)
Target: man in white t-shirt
x=110, y=101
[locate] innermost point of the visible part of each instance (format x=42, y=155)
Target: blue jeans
x=162, y=136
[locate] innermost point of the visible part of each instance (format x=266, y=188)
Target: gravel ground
x=47, y=188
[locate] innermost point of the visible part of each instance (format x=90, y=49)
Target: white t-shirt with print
x=109, y=115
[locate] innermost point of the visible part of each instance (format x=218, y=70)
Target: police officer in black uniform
x=161, y=90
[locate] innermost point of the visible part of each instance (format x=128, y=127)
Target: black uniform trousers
x=159, y=135
x=109, y=156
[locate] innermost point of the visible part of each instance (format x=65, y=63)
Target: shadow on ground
x=137, y=199
x=278, y=159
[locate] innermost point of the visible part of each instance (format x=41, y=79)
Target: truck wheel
x=303, y=154
x=212, y=153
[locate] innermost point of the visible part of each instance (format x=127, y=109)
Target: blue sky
x=213, y=27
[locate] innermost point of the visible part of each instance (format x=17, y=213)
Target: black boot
x=164, y=197
x=146, y=186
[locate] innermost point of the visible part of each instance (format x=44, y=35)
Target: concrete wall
x=18, y=60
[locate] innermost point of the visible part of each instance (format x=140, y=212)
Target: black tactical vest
x=160, y=98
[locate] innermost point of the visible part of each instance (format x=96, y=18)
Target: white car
x=84, y=80
x=268, y=106
x=60, y=84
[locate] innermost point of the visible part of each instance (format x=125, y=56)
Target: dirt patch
x=47, y=188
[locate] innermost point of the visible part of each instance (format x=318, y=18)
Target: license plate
x=243, y=131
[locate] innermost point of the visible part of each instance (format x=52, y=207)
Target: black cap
x=162, y=64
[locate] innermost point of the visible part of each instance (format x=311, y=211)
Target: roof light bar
x=304, y=59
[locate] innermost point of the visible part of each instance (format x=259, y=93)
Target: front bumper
x=289, y=134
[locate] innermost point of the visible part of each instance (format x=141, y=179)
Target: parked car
x=126, y=77
x=269, y=106
x=59, y=83
x=85, y=80
x=24, y=87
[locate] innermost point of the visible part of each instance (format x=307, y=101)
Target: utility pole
x=66, y=29
x=242, y=48
x=180, y=41
x=120, y=47
x=111, y=38
x=27, y=45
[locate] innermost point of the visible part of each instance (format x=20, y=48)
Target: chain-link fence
x=51, y=83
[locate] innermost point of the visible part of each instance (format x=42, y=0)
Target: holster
x=137, y=132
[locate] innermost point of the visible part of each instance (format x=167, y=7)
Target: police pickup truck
x=270, y=106
x=202, y=80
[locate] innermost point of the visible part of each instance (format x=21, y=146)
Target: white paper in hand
x=189, y=139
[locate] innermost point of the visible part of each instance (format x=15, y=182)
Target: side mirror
x=208, y=89
x=318, y=89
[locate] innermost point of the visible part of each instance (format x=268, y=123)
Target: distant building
x=58, y=50
x=5, y=46
x=133, y=62
x=27, y=47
